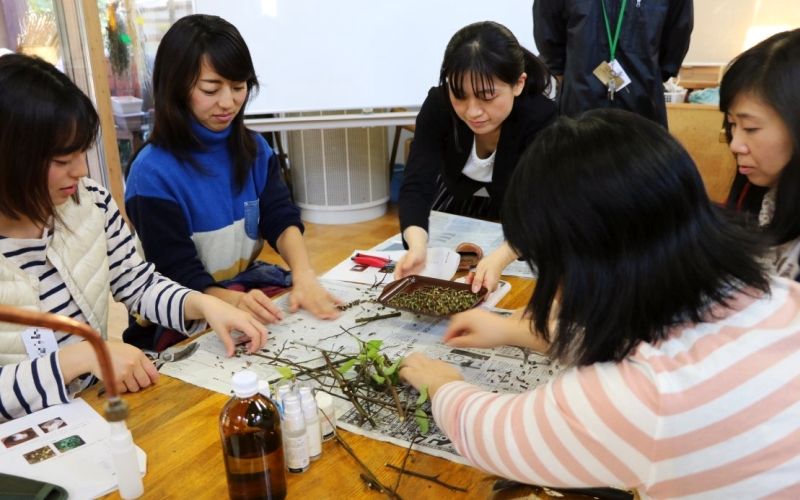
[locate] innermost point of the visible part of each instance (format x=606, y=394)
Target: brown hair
x=42, y=115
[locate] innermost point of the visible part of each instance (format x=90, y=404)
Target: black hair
x=175, y=72
x=770, y=71
x=613, y=214
x=488, y=49
x=43, y=115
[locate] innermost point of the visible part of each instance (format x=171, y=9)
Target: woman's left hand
x=488, y=271
x=227, y=321
x=309, y=294
x=419, y=370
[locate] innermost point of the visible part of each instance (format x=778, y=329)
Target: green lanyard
x=612, y=44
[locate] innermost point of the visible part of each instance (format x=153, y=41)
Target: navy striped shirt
x=35, y=384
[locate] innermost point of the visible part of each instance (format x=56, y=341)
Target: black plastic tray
x=411, y=283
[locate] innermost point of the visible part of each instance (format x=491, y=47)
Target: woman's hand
x=227, y=321
x=306, y=290
x=260, y=306
x=482, y=328
x=419, y=370
x=413, y=262
x=253, y=302
x=477, y=328
x=132, y=370
x=490, y=268
x=309, y=294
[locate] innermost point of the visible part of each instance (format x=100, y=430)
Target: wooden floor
x=329, y=244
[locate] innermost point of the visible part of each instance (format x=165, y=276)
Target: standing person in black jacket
x=470, y=132
x=579, y=40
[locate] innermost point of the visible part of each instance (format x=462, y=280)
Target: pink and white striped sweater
x=712, y=412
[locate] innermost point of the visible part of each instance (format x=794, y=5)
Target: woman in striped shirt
x=684, y=354
x=64, y=246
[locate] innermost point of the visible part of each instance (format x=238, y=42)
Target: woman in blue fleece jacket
x=204, y=192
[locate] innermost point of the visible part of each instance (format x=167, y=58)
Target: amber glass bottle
x=250, y=428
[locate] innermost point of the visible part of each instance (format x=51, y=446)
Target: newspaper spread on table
x=299, y=337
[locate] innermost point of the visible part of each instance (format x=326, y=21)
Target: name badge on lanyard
x=39, y=342
x=612, y=74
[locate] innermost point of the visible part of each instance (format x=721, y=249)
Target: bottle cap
x=324, y=400
x=283, y=388
x=245, y=384
x=291, y=404
x=304, y=390
x=308, y=404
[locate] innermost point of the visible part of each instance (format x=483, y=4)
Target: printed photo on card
x=39, y=455
x=52, y=424
x=69, y=443
x=19, y=437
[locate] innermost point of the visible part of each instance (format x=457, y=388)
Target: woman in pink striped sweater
x=684, y=355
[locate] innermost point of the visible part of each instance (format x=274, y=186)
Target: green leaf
x=377, y=378
x=391, y=369
x=347, y=366
x=422, y=420
x=423, y=395
x=285, y=371
x=372, y=353
x=374, y=344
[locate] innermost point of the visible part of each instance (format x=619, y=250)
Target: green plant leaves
x=285, y=372
x=347, y=366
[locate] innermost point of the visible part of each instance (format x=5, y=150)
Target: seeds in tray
x=437, y=300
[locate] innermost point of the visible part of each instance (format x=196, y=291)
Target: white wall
x=724, y=28
x=316, y=55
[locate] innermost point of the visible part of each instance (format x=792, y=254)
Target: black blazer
x=653, y=41
x=442, y=142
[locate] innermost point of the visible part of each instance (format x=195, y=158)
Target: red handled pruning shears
x=371, y=260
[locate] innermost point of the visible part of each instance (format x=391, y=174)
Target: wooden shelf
x=699, y=77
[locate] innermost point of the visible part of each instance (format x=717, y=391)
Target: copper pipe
x=116, y=409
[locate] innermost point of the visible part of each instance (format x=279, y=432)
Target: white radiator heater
x=339, y=176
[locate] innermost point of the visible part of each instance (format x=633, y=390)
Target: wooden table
x=176, y=423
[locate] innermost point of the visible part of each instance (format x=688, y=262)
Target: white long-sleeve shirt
x=711, y=412
x=35, y=384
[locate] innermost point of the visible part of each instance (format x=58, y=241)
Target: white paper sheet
x=66, y=445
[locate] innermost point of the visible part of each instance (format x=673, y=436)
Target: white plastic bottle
x=126, y=465
x=313, y=428
x=295, y=442
x=281, y=390
x=327, y=417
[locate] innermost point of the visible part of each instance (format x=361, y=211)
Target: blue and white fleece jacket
x=197, y=227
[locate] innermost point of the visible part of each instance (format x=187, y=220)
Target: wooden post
x=108, y=134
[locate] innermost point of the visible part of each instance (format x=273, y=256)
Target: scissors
x=386, y=264
x=176, y=353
